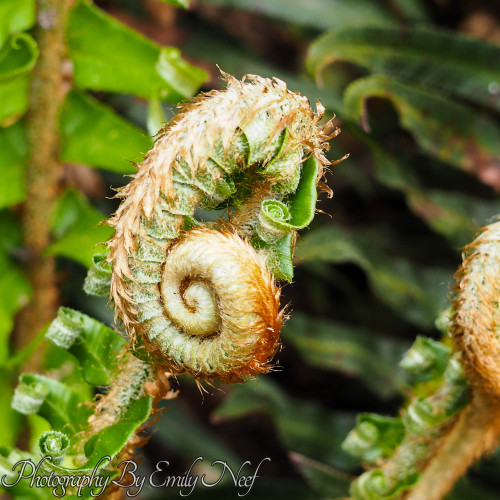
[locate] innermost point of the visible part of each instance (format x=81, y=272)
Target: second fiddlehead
x=474, y=328
x=454, y=426
x=477, y=312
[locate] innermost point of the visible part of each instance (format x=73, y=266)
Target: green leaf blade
x=303, y=426
x=111, y=440
x=13, y=154
x=446, y=61
x=417, y=294
x=353, y=350
x=16, y=16
x=316, y=14
x=94, y=344
x=325, y=480
x=124, y=61
x=17, y=58
x=183, y=4
x=77, y=227
x=93, y=134
x=62, y=407
x=441, y=127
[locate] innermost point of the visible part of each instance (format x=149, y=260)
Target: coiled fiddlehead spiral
x=199, y=296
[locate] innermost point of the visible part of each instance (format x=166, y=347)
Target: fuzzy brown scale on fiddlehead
x=204, y=300
x=476, y=331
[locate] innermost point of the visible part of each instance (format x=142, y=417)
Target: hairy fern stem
x=43, y=169
x=475, y=433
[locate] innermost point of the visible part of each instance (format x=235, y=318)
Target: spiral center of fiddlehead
x=195, y=307
x=222, y=273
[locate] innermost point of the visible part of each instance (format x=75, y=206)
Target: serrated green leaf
x=325, y=480
x=76, y=225
x=62, y=407
x=93, y=134
x=426, y=360
x=94, y=344
x=354, y=350
x=238, y=62
x=447, y=61
x=16, y=16
x=111, y=440
x=240, y=403
x=17, y=58
x=374, y=437
x=96, y=349
x=316, y=14
x=453, y=214
x=442, y=128
x=417, y=294
x=124, y=61
x=58, y=360
x=412, y=10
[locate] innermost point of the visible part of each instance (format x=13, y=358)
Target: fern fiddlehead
x=460, y=420
x=202, y=298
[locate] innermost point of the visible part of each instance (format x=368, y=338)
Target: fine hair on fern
x=202, y=298
x=193, y=297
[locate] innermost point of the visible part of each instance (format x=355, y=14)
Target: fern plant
x=364, y=287
x=192, y=297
